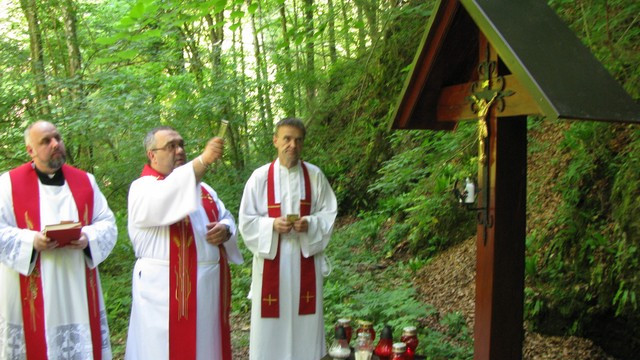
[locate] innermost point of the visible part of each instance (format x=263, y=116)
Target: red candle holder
x=346, y=324
x=384, y=349
x=410, y=338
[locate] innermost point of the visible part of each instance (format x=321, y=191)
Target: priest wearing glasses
x=183, y=238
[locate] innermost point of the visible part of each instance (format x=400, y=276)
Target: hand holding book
x=64, y=232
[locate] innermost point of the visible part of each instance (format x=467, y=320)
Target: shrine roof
x=560, y=74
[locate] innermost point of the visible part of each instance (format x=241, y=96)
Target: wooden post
x=498, y=332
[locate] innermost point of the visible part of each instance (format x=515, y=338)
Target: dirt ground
x=448, y=283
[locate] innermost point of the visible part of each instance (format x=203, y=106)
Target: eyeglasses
x=171, y=146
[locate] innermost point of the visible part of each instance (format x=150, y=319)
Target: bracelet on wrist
x=202, y=162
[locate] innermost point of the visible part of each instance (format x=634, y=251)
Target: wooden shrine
x=496, y=62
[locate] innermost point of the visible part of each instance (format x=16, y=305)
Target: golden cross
x=28, y=221
x=32, y=294
x=489, y=89
x=92, y=284
x=308, y=296
x=270, y=299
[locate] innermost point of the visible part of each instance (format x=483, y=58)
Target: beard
x=57, y=162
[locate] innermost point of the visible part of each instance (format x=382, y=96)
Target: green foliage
x=115, y=279
x=585, y=264
x=610, y=30
x=582, y=266
x=241, y=283
x=352, y=113
x=415, y=186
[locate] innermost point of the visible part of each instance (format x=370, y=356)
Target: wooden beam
x=498, y=332
x=454, y=106
x=424, y=63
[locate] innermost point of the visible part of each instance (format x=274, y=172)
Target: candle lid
x=365, y=323
x=344, y=321
x=399, y=347
x=409, y=330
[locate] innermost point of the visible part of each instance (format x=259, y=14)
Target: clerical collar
x=294, y=168
x=56, y=179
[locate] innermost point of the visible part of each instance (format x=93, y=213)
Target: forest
x=107, y=71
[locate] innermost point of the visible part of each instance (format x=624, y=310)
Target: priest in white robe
x=177, y=311
x=286, y=219
x=51, y=304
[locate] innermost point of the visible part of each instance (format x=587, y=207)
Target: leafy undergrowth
x=436, y=296
x=366, y=284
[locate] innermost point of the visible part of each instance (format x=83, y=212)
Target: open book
x=64, y=232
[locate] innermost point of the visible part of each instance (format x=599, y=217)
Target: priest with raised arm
x=286, y=218
x=183, y=238
x=51, y=304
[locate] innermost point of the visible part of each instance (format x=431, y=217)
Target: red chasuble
x=26, y=207
x=271, y=270
x=183, y=264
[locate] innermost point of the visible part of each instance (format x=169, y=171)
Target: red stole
x=211, y=209
x=183, y=264
x=26, y=207
x=271, y=270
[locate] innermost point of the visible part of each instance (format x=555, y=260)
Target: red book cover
x=63, y=233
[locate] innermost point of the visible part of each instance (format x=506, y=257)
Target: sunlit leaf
x=105, y=60
x=236, y=14
x=155, y=33
x=127, y=54
x=137, y=10
x=110, y=40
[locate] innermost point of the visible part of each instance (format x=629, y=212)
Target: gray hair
x=150, y=138
x=27, y=131
x=294, y=122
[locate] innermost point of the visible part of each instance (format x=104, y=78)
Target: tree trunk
x=362, y=36
x=53, y=45
x=30, y=10
x=191, y=45
x=265, y=127
x=265, y=68
x=299, y=61
x=345, y=30
x=71, y=39
x=289, y=102
x=177, y=65
x=76, y=88
x=370, y=8
x=309, y=50
x=332, y=32
x=216, y=36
